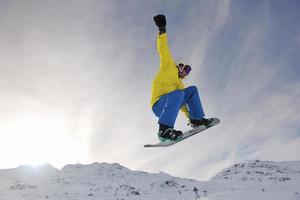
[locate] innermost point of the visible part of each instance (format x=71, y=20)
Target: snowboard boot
x=168, y=134
x=200, y=122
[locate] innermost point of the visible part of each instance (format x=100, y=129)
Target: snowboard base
x=186, y=135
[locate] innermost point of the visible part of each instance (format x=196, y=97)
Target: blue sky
x=75, y=82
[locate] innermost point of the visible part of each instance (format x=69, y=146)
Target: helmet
x=183, y=61
x=183, y=64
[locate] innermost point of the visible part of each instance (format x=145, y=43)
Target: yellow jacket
x=166, y=80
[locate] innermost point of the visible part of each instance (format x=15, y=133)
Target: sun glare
x=36, y=138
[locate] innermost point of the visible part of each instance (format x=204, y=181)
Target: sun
x=36, y=138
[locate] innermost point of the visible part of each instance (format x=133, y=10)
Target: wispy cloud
x=91, y=64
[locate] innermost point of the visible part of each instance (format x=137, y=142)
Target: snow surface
x=251, y=180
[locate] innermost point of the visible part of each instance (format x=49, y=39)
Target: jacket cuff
x=162, y=30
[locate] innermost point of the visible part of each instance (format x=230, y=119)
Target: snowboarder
x=169, y=94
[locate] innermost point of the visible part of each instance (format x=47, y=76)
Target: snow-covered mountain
x=262, y=171
x=250, y=180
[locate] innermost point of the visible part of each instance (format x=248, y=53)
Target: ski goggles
x=186, y=68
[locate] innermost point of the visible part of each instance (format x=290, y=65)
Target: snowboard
x=186, y=135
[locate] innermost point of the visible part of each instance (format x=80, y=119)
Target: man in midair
x=169, y=95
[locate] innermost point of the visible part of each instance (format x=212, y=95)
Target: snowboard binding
x=168, y=134
x=194, y=123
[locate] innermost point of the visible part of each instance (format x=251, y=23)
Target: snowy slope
x=250, y=180
x=262, y=171
x=261, y=180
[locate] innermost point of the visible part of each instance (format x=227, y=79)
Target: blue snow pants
x=168, y=105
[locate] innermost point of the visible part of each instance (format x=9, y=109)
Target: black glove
x=160, y=21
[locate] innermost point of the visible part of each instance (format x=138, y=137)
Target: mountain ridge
x=114, y=181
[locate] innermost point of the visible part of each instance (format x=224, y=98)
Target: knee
x=193, y=89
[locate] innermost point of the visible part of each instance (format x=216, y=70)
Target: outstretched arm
x=166, y=59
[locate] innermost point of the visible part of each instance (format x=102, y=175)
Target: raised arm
x=166, y=59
